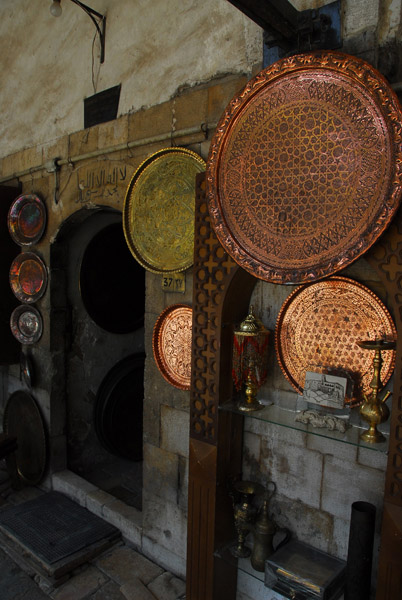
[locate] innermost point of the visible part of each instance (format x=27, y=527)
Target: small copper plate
x=304, y=170
x=318, y=328
x=28, y=277
x=171, y=344
x=27, y=219
x=158, y=213
x=26, y=324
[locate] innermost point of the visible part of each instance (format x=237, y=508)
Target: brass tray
x=26, y=324
x=28, y=277
x=26, y=219
x=158, y=212
x=171, y=343
x=304, y=170
x=318, y=328
x=23, y=419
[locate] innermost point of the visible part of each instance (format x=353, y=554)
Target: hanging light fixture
x=98, y=19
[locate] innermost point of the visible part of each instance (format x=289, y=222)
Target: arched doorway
x=104, y=368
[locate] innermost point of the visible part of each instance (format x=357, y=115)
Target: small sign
x=325, y=390
x=175, y=282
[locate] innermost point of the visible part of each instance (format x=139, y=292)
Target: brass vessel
x=264, y=531
x=244, y=514
x=374, y=410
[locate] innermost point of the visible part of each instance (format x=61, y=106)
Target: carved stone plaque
x=304, y=171
x=158, y=214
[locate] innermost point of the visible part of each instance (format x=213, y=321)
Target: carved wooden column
x=215, y=443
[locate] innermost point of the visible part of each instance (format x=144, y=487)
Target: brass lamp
x=250, y=353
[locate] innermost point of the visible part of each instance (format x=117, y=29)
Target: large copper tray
x=304, y=170
x=158, y=213
x=28, y=277
x=23, y=419
x=318, y=328
x=171, y=344
x=27, y=219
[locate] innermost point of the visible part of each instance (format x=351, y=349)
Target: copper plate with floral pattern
x=26, y=324
x=171, y=344
x=318, y=328
x=27, y=219
x=304, y=170
x=28, y=277
x=158, y=213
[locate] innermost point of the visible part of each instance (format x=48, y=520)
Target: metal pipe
x=203, y=129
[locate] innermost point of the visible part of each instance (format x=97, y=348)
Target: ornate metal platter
x=158, y=213
x=22, y=419
x=26, y=324
x=318, y=328
x=27, y=219
x=304, y=170
x=171, y=344
x=28, y=277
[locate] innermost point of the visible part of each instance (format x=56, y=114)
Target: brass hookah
x=374, y=410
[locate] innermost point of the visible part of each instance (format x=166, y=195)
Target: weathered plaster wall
x=153, y=51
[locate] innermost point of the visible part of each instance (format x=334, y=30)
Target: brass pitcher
x=264, y=530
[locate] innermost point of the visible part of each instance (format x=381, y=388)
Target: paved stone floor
x=119, y=573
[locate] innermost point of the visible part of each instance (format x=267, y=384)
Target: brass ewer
x=374, y=410
x=244, y=514
x=264, y=530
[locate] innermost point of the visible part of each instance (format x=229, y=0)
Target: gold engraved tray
x=171, y=344
x=158, y=213
x=318, y=328
x=304, y=170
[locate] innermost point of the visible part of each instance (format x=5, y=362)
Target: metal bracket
x=52, y=166
x=316, y=29
x=288, y=31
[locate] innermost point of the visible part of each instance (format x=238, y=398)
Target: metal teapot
x=264, y=530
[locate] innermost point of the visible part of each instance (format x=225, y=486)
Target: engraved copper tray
x=171, y=344
x=27, y=219
x=23, y=419
x=158, y=213
x=26, y=324
x=318, y=328
x=28, y=277
x=304, y=170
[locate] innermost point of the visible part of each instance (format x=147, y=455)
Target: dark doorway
x=105, y=362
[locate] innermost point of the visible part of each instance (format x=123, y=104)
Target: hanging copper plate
x=22, y=419
x=158, y=213
x=28, y=277
x=27, y=219
x=318, y=328
x=171, y=344
x=304, y=170
x=26, y=324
